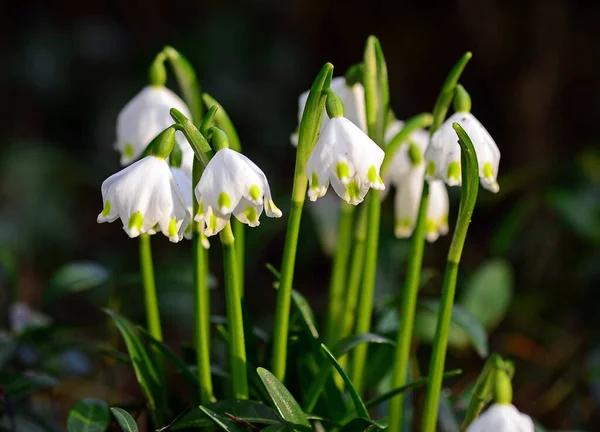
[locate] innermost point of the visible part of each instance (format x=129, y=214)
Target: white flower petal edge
x=443, y=155
x=232, y=184
x=502, y=418
x=353, y=98
x=143, y=118
x=345, y=156
x=437, y=211
x=145, y=196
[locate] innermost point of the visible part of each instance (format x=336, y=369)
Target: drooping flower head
x=143, y=118
x=406, y=173
x=232, y=184
x=502, y=418
x=353, y=99
x=443, y=155
x=145, y=196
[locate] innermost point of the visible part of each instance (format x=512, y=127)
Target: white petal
x=437, y=211
x=502, y=418
x=184, y=183
x=214, y=222
x=245, y=205
x=406, y=204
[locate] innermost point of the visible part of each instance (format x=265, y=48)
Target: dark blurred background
x=69, y=67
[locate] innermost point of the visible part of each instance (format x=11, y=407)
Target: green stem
x=365, y=310
x=483, y=391
x=202, y=315
x=407, y=312
x=235, y=321
x=284, y=294
x=238, y=233
x=150, y=300
x=338, y=276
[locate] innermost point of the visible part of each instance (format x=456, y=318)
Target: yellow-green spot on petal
x=342, y=170
x=353, y=190
x=403, y=223
x=314, y=181
x=444, y=220
x=255, y=192
x=200, y=208
x=136, y=221
x=431, y=168
x=106, y=209
x=212, y=222
x=172, y=228
x=128, y=150
x=431, y=226
x=372, y=174
x=454, y=170
x=415, y=154
x=488, y=171
x=251, y=214
x=224, y=201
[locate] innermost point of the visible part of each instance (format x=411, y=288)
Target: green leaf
x=202, y=149
x=17, y=386
x=75, y=277
x=285, y=403
x=145, y=371
x=347, y=344
x=464, y=327
x=375, y=82
x=125, y=420
x=358, y=403
x=223, y=122
x=223, y=422
x=363, y=425
x=281, y=427
x=88, y=415
x=187, y=80
x=489, y=292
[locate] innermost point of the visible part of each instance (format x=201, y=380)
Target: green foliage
x=124, y=419
x=75, y=277
x=283, y=400
x=88, y=415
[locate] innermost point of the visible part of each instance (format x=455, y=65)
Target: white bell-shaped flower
x=144, y=117
x=232, y=184
x=353, y=99
x=145, y=195
x=406, y=173
x=345, y=156
x=502, y=418
x=184, y=182
x=443, y=155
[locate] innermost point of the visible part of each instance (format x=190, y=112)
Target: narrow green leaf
x=347, y=344
x=363, y=425
x=285, y=403
x=201, y=148
x=88, y=415
x=224, y=122
x=125, y=420
x=375, y=82
x=420, y=121
x=358, y=403
x=75, y=277
x=187, y=80
x=225, y=423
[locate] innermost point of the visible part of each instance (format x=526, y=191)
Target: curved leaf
x=223, y=422
x=363, y=425
x=75, y=277
x=347, y=344
x=285, y=403
x=125, y=420
x=88, y=415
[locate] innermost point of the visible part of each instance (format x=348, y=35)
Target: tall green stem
x=365, y=307
x=338, y=275
x=309, y=127
x=470, y=176
x=235, y=321
x=239, y=234
x=150, y=300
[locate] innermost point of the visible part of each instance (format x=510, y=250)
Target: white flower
x=145, y=195
x=143, y=118
x=406, y=173
x=184, y=182
x=443, y=155
x=23, y=317
x=502, y=418
x=232, y=184
x=345, y=156
x=353, y=98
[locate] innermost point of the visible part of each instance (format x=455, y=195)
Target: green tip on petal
x=128, y=150
x=353, y=191
x=255, y=192
x=431, y=226
x=488, y=171
x=342, y=170
x=454, y=171
x=372, y=174
x=106, y=210
x=173, y=229
x=415, y=154
x=431, y=168
x=251, y=214
x=314, y=181
x=212, y=223
x=224, y=200
x=136, y=220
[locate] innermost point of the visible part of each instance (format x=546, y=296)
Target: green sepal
x=354, y=74
x=312, y=115
x=447, y=93
x=157, y=74
x=176, y=156
x=219, y=139
x=199, y=144
x=188, y=82
x=223, y=122
x=462, y=100
x=208, y=120
x=162, y=145
x=334, y=105
x=377, y=94
x=502, y=387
